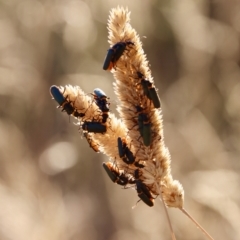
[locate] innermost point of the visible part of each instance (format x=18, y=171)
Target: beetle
x=114, y=53
x=142, y=190
x=104, y=117
x=145, y=84
x=149, y=90
x=57, y=95
x=124, y=152
x=116, y=176
x=63, y=102
x=136, y=174
x=144, y=126
x=99, y=94
x=147, y=134
x=144, y=193
x=108, y=64
x=154, y=96
x=139, y=165
x=130, y=159
x=108, y=168
x=142, y=118
x=121, y=147
x=91, y=142
x=95, y=127
x=101, y=101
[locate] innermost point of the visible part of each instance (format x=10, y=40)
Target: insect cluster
x=134, y=144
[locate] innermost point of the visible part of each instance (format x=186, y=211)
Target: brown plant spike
x=138, y=136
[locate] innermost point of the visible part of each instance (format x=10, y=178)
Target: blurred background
x=52, y=185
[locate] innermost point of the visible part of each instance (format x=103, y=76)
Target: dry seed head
x=130, y=93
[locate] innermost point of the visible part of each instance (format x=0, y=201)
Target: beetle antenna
x=133, y=207
x=166, y=212
x=197, y=224
x=136, y=204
